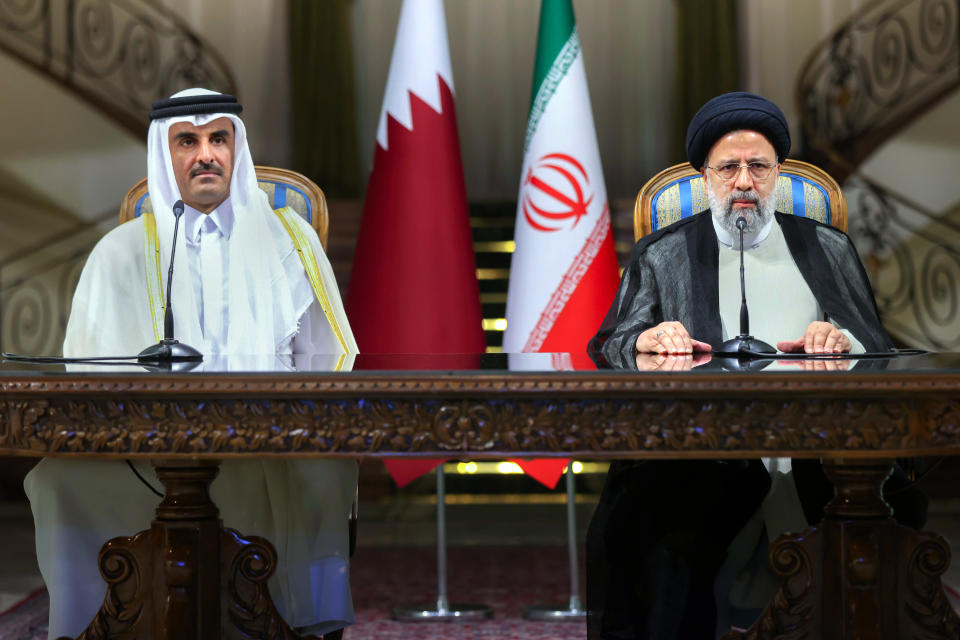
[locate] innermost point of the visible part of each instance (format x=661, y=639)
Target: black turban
x=733, y=112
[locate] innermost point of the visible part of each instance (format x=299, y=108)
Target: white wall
x=252, y=38
x=922, y=161
x=780, y=35
x=60, y=152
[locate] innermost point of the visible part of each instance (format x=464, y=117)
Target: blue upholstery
x=687, y=196
x=280, y=195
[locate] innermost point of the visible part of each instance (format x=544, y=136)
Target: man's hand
x=669, y=337
x=661, y=362
x=820, y=337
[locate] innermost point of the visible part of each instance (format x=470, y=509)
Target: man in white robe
x=239, y=290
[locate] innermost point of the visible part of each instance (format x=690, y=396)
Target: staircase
x=80, y=77
x=881, y=72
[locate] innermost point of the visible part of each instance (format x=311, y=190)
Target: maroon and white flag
x=413, y=288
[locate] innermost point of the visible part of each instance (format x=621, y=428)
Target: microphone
x=168, y=349
x=744, y=314
x=744, y=345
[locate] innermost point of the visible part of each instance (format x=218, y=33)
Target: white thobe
x=209, y=263
x=300, y=505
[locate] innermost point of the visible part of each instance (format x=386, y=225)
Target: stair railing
x=876, y=73
x=117, y=55
x=913, y=255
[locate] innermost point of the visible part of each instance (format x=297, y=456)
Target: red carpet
x=508, y=579
x=26, y=620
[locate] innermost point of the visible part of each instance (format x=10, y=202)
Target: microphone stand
x=169, y=350
x=744, y=345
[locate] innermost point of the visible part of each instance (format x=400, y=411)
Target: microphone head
x=741, y=221
x=178, y=209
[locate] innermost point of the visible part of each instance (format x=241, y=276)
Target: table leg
x=858, y=574
x=187, y=577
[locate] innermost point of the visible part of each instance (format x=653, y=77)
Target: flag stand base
x=555, y=612
x=450, y=613
x=574, y=610
x=443, y=611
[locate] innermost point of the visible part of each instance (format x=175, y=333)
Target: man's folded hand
x=669, y=337
x=820, y=337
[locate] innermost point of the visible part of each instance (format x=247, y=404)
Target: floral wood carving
x=126, y=608
x=384, y=426
x=16, y=420
x=792, y=613
x=925, y=601
x=250, y=612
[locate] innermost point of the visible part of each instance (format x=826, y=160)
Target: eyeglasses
x=758, y=170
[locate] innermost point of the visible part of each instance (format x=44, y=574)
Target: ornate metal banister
x=913, y=255
x=36, y=288
x=117, y=55
x=879, y=70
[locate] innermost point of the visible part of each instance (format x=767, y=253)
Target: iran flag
x=413, y=289
x=564, y=272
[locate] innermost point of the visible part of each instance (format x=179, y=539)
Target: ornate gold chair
x=283, y=187
x=679, y=192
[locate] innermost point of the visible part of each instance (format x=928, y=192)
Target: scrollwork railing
x=878, y=71
x=914, y=258
x=118, y=55
x=36, y=289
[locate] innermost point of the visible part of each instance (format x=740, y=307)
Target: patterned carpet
x=508, y=579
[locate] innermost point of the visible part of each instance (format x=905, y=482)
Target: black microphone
x=744, y=314
x=744, y=345
x=168, y=349
x=168, y=310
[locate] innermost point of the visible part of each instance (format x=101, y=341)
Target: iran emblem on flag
x=564, y=272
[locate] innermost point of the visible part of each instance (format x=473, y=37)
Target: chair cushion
x=280, y=195
x=687, y=196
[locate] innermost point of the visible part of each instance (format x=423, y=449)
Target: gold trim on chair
x=642, y=224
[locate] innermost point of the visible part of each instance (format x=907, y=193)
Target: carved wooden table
x=856, y=575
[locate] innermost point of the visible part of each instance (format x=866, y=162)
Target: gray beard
x=726, y=217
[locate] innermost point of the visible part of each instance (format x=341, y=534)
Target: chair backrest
x=679, y=192
x=283, y=187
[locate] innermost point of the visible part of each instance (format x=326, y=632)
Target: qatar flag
x=413, y=288
x=564, y=273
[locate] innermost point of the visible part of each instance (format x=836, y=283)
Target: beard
x=756, y=216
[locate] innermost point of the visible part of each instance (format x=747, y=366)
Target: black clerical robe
x=672, y=276
x=661, y=530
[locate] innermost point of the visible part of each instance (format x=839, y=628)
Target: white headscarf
x=266, y=297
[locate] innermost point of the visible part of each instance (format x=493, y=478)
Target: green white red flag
x=564, y=273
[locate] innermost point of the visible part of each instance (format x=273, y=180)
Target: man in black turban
x=676, y=549
x=808, y=290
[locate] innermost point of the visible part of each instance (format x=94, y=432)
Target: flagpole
x=574, y=610
x=443, y=611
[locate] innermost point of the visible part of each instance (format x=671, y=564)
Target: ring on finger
x=658, y=334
